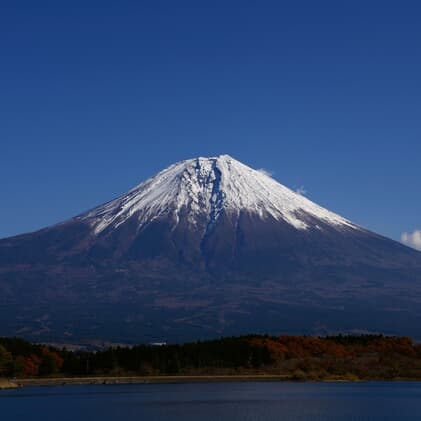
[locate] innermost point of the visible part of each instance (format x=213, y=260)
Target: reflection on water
x=217, y=402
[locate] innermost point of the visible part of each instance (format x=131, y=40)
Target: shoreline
x=109, y=380
x=8, y=384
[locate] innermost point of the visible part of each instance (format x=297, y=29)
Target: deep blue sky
x=97, y=96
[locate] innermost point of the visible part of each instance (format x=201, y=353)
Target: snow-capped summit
x=201, y=189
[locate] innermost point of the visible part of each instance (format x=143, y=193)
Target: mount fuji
x=207, y=247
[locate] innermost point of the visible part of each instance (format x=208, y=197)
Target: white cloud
x=266, y=172
x=412, y=239
x=301, y=190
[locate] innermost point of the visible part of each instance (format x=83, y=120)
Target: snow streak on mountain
x=204, y=188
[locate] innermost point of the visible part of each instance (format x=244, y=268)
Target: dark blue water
x=216, y=402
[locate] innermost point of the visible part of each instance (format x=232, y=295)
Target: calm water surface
x=216, y=402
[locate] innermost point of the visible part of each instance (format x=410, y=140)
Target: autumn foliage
x=353, y=357
x=292, y=357
x=28, y=360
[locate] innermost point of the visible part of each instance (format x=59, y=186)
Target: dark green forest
x=295, y=357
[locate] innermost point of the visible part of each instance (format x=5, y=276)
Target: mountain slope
x=205, y=188
x=206, y=247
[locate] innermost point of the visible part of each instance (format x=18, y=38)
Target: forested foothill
x=367, y=357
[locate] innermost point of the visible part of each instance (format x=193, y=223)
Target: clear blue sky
x=97, y=96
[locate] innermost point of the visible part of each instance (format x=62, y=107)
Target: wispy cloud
x=266, y=172
x=412, y=239
x=301, y=190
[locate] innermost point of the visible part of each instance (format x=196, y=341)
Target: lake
x=216, y=401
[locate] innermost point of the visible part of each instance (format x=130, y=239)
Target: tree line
x=297, y=357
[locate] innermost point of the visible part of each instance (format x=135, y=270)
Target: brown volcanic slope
x=207, y=247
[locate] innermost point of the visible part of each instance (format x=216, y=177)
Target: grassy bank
x=7, y=384
x=146, y=379
x=119, y=380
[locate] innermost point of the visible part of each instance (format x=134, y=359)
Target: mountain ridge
x=206, y=247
